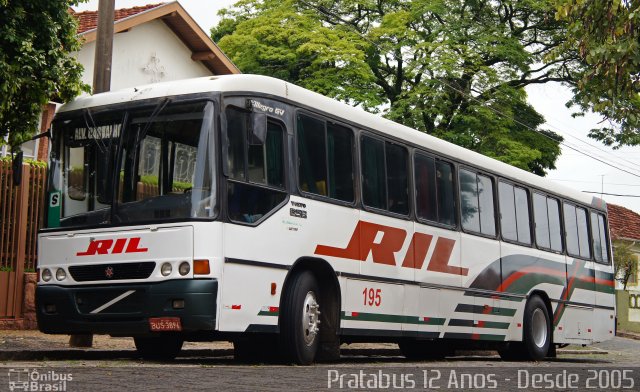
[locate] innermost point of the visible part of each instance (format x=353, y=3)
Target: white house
x=152, y=43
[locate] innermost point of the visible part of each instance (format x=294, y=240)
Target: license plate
x=159, y=324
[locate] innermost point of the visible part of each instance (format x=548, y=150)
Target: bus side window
x=434, y=190
x=598, y=241
x=385, y=183
x=575, y=224
x=325, y=158
x=476, y=194
x=514, y=213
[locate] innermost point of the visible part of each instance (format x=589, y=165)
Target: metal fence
x=21, y=210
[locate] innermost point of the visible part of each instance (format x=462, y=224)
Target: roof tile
x=88, y=20
x=623, y=222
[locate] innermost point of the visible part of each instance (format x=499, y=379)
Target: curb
x=628, y=335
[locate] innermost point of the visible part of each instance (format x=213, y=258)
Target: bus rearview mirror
x=258, y=128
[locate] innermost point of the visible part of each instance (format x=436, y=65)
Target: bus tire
x=536, y=335
x=300, y=319
x=423, y=350
x=158, y=348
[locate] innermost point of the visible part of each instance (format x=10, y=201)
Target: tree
x=36, y=37
x=625, y=263
x=606, y=36
x=454, y=69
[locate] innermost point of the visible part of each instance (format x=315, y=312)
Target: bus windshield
x=134, y=166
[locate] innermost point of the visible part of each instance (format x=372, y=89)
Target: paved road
x=363, y=368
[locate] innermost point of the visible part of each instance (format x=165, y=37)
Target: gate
x=21, y=211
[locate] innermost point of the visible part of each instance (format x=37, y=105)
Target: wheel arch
x=330, y=293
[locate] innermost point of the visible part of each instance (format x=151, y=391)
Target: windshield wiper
x=93, y=133
x=156, y=111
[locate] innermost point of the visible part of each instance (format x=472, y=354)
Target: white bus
x=247, y=209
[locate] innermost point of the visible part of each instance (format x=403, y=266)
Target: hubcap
x=310, y=318
x=539, y=324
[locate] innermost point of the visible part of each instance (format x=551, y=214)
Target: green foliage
x=606, y=37
x=455, y=69
x=625, y=262
x=36, y=37
x=27, y=161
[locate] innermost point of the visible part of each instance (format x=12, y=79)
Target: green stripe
x=267, y=313
x=499, y=338
x=493, y=324
x=393, y=318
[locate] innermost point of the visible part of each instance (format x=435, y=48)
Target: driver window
x=256, y=171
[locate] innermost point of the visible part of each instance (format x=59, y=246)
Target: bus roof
x=275, y=87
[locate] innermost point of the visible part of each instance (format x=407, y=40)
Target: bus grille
x=86, y=273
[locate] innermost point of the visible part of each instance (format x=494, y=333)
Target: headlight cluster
x=183, y=269
x=47, y=275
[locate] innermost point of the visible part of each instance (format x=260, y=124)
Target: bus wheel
x=300, y=319
x=424, y=350
x=158, y=348
x=537, y=329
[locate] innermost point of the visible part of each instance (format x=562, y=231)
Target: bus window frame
x=561, y=217
x=566, y=248
x=605, y=218
x=354, y=162
x=411, y=211
x=496, y=219
x=226, y=179
x=529, y=209
x=414, y=152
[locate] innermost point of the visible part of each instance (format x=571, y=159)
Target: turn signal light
x=201, y=267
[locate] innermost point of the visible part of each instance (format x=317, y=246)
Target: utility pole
x=104, y=47
x=101, y=83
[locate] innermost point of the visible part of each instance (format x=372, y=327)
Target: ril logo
x=109, y=246
x=362, y=243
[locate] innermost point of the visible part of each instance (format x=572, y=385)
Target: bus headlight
x=46, y=275
x=184, y=268
x=61, y=274
x=166, y=269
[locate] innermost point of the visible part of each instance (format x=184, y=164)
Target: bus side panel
x=480, y=256
x=255, y=256
x=524, y=270
x=438, y=274
x=384, y=254
x=578, y=315
x=247, y=302
x=604, y=313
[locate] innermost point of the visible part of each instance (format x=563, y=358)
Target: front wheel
x=300, y=319
x=158, y=348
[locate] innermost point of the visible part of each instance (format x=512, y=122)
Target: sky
x=577, y=167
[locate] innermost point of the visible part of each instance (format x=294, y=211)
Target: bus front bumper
x=124, y=310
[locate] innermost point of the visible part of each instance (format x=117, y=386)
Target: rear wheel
x=537, y=329
x=300, y=319
x=536, y=334
x=159, y=348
